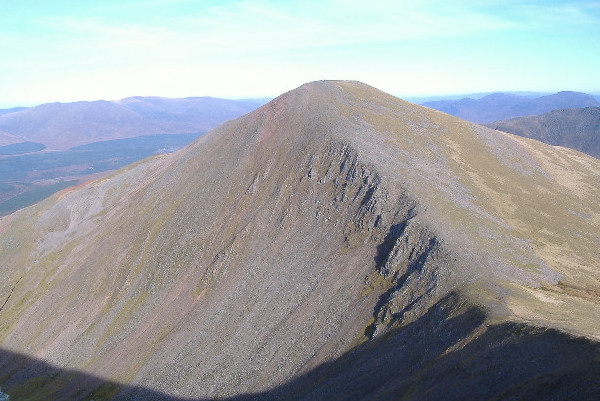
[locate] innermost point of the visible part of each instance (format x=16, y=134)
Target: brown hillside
x=336, y=243
x=577, y=129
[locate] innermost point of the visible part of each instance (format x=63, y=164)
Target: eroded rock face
x=419, y=271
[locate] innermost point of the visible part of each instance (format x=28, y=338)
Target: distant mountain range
x=61, y=126
x=11, y=110
x=477, y=95
x=574, y=128
x=502, y=106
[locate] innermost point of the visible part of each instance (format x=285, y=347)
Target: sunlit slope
x=331, y=217
x=498, y=197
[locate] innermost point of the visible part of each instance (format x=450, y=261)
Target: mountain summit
x=335, y=243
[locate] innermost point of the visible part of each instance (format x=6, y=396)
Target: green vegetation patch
x=105, y=392
x=6, y=187
x=32, y=196
x=20, y=148
x=39, y=388
x=27, y=167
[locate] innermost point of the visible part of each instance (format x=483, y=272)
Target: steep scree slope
x=335, y=235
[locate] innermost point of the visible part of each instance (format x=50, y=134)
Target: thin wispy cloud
x=240, y=43
x=248, y=26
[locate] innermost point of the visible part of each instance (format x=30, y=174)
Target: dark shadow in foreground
x=433, y=358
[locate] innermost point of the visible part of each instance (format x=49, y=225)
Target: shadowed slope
x=577, y=129
x=334, y=216
x=433, y=358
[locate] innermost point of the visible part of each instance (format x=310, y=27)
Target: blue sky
x=64, y=50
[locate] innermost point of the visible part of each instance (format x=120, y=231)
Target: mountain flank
x=578, y=129
x=502, y=106
x=335, y=243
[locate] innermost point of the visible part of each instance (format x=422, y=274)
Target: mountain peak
x=333, y=237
